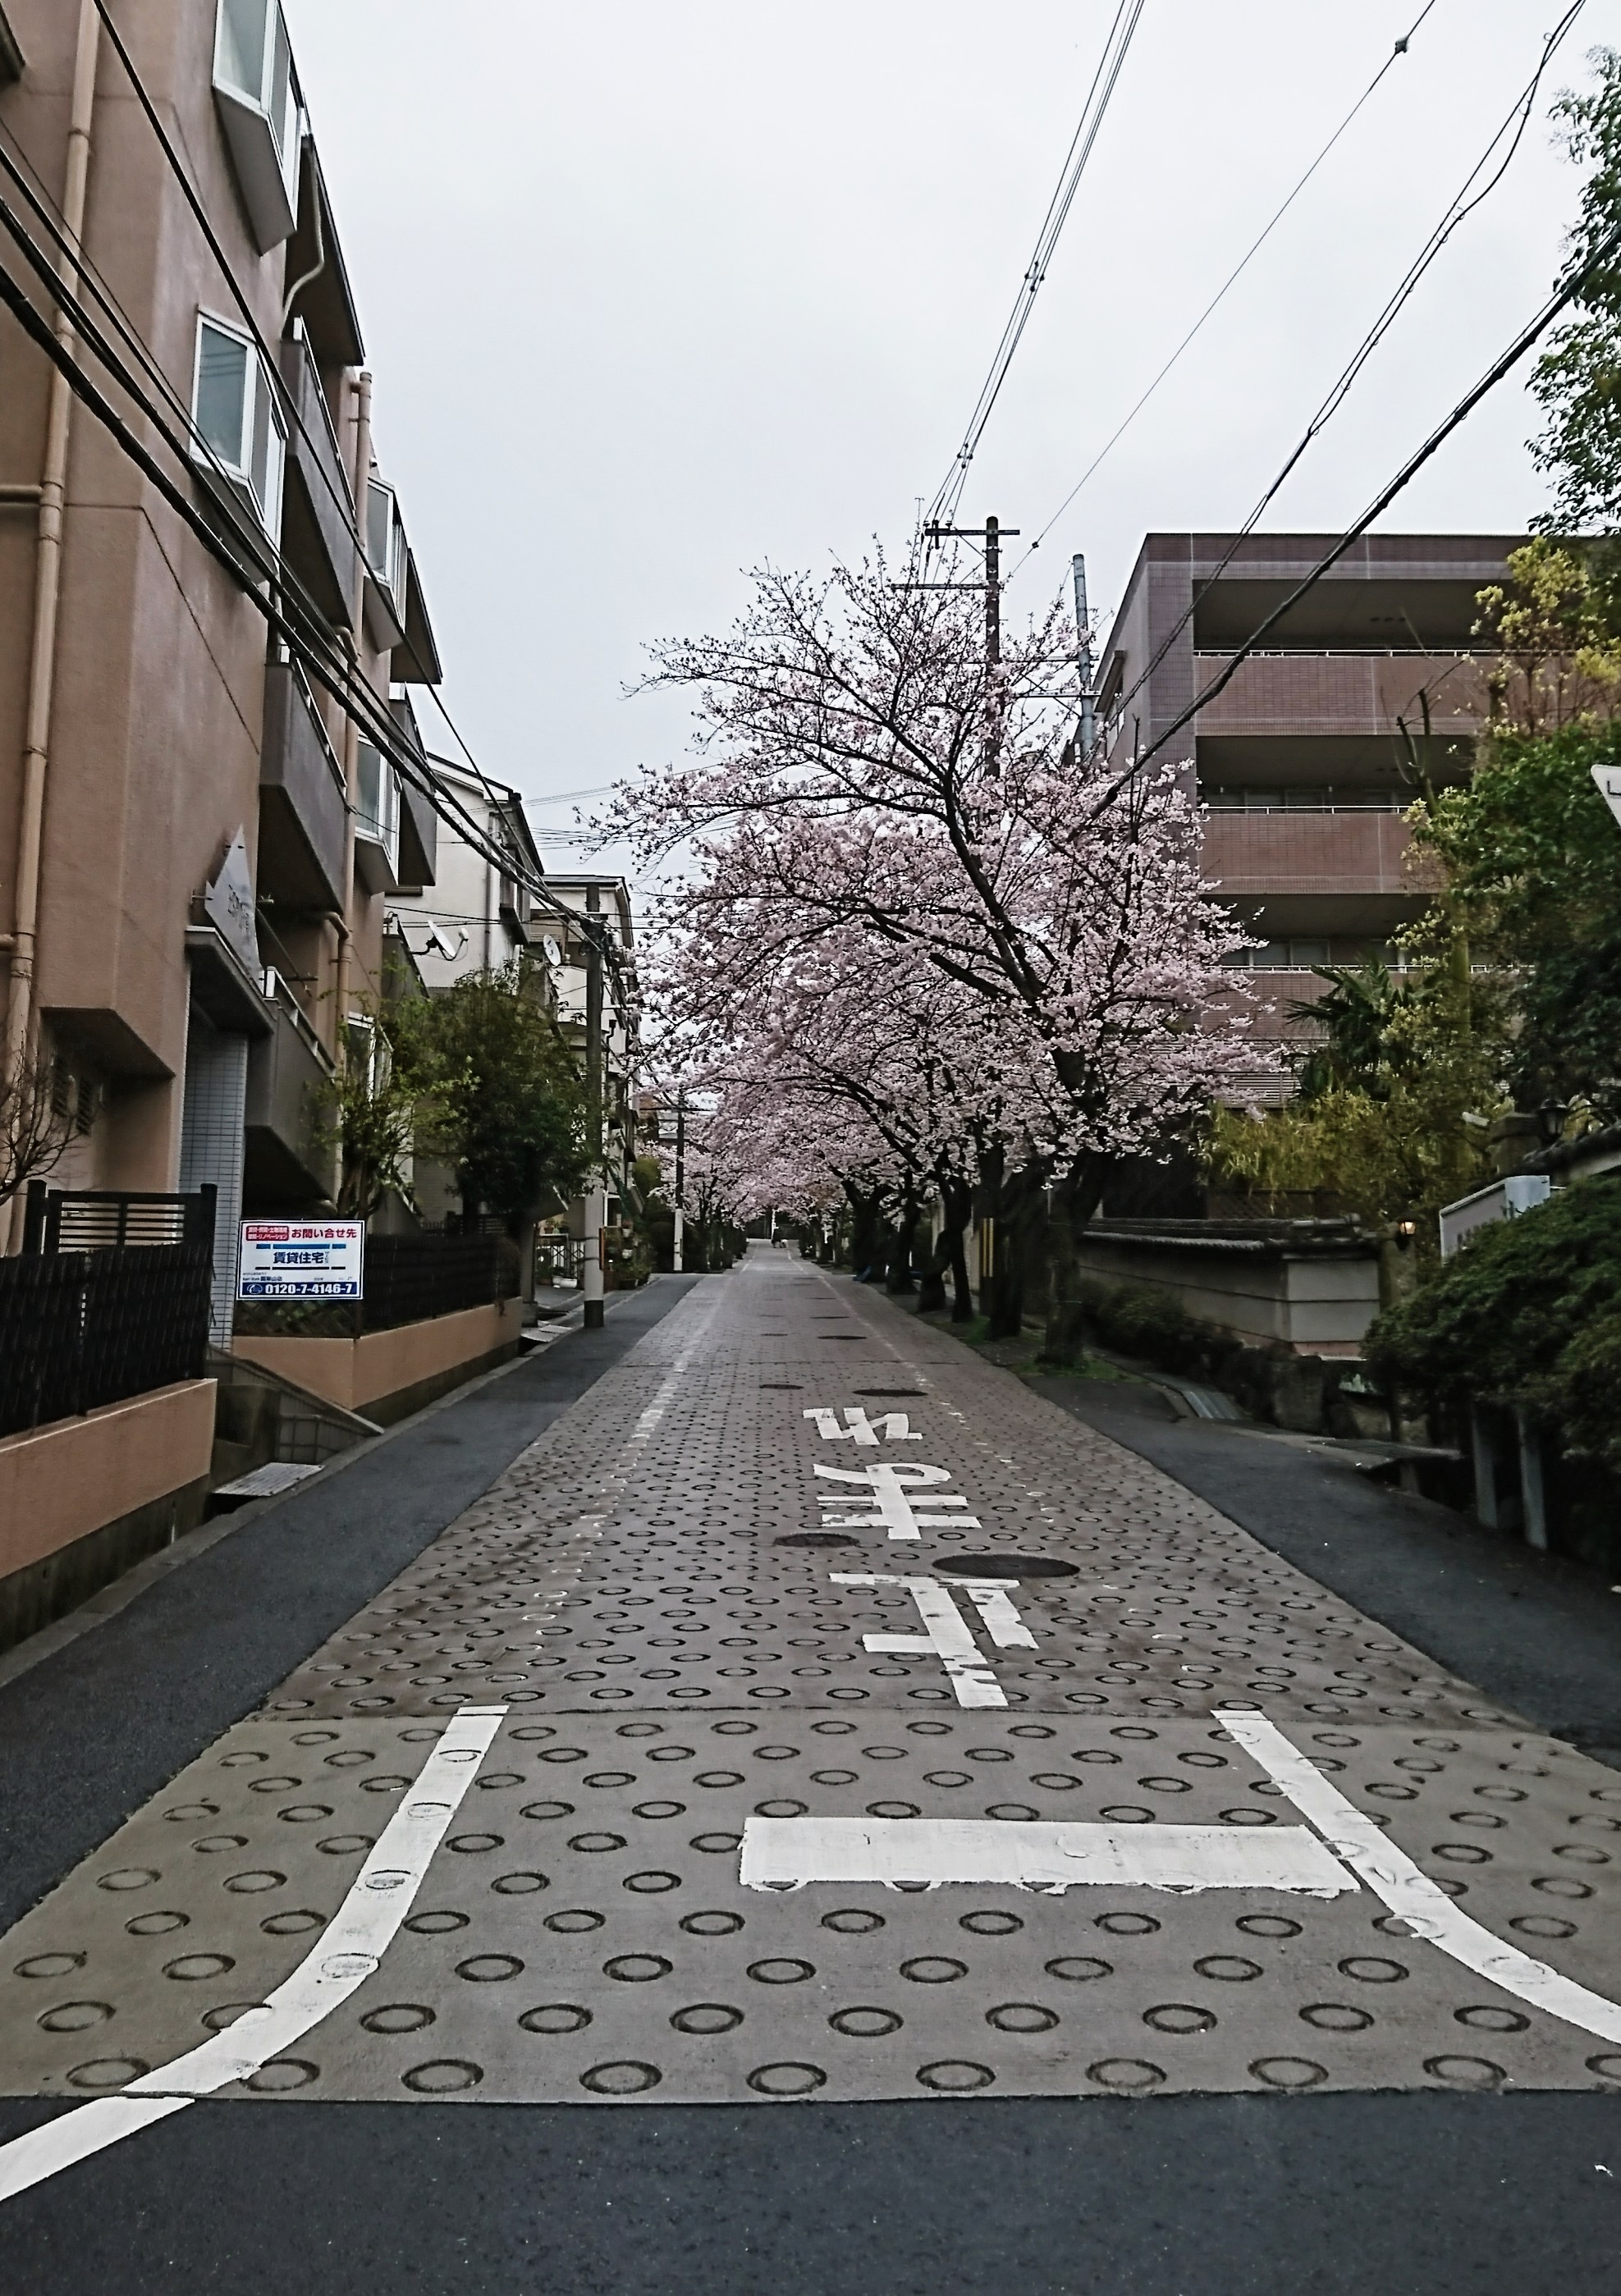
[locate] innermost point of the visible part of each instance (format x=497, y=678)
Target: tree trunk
x=949, y=1257
x=899, y=1282
x=1075, y=1200
x=1017, y=1219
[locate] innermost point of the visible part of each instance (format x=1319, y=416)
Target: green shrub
x=1152, y=1325
x=1527, y=1314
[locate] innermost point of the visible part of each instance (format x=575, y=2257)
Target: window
x=385, y=542
x=255, y=91
x=253, y=61
x=378, y=814
x=235, y=418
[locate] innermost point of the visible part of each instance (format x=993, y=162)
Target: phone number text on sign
x=301, y=1260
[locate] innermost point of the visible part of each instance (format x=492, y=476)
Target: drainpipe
x=351, y=732
x=47, y=577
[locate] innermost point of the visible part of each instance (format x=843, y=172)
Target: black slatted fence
x=409, y=1278
x=78, y=1329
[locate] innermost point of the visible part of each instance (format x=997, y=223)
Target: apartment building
x=198, y=843
x=1309, y=757
x=473, y=915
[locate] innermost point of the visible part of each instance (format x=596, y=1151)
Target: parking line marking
x=786, y=1853
x=349, y=1949
x=1417, y=1902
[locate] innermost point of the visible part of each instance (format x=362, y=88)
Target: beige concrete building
x=197, y=842
x=1306, y=760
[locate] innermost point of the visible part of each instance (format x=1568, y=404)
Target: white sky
x=652, y=294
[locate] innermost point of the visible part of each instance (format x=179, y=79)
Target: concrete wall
x=60, y=1483
x=1313, y=1303
x=383, y=1374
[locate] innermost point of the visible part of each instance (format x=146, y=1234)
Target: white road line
x=786, y=1853
x=351, y=1946
x=1421, y=1907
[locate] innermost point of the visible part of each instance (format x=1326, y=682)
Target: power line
x=1231, y=280
x=949, y=494
x=1500, y=366
x=1460, y=205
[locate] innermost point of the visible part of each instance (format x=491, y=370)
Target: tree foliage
x=1388, y=1117
x=1527, y=1314
x=1577, y=379
x=1532, y=859
x=498, y=1093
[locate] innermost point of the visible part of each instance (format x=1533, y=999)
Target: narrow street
x=813, y=1714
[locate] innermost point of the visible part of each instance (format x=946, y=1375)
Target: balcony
x=289, y=1156
x=1300, y=852
x=1307, y=694
x=418, y=821
x=301, y=805
x=318, y=513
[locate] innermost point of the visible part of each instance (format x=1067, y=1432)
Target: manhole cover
x=911, y=1394
x=817, y=1538
x=779, y=1387
x=1006, y=1566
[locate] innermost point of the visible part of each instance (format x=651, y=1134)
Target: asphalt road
x=594, y=2054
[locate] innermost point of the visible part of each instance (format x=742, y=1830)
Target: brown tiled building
x=1309, y=757
x=196, y=842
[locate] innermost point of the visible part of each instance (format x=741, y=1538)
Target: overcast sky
x=652, y=294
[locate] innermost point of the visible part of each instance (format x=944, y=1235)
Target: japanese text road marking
x=947, y=1636
x=888, y=1489
x=860, y=1429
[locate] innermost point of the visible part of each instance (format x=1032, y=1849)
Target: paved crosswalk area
x=814, y=1713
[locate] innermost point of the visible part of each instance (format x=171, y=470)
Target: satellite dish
x=553, y=947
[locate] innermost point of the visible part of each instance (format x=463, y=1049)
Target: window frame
x=275, y=56
x=260, y=402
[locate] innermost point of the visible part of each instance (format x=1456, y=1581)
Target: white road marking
x=860, y=1429
x=349, y=1950
x=892, y=1489
x=948, y=1637
x=786, y=1853
x=1421, y=1907
x=993, y=1602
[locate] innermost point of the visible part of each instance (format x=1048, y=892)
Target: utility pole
x=680, y=1185
x=1083, y=655
x=596, y=1202
x=991, y=534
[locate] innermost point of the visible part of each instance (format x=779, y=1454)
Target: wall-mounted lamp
x=1550, y=1121
x=1405, y=1231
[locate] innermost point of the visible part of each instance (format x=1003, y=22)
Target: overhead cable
x=1503, y=364
x=1463, y=203
x=949, y=491
x=1401, y=49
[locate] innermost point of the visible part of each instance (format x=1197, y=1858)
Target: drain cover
x=1006, y=1566
x=816, y=1539
x=917, y=1394
x=779, y=1387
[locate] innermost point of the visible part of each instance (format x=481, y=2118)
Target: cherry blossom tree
x=865, y=784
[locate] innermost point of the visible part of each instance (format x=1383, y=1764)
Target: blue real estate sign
x=301, y=1260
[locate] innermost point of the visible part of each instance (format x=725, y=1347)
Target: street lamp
x=1550, y=1118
